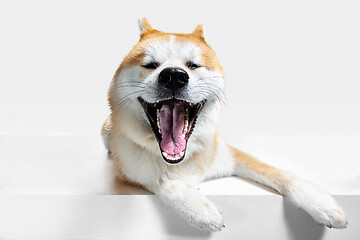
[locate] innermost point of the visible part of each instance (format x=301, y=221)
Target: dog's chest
x=147, y=169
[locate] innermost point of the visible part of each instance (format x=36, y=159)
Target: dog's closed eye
x=192, y=65
x=151, y=65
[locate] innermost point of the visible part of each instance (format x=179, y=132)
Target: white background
x=292, y=70
x=291, y=67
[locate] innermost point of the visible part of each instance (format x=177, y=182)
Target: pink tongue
x=172, y=125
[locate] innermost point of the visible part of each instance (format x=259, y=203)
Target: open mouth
x=172, y=121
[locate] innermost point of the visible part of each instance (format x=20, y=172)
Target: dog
x=165, y=99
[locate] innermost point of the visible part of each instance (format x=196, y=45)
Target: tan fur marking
x=145, y=26
x=208, y=55
x=273, y=174
x=206, y=205
x=214, y=147
x=137, y=54
x=207, y=156
x=106, y=128
x=199, y=31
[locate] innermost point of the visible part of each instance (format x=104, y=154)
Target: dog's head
x=166, y=85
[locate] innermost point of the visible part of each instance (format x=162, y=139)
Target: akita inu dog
x=161, y=133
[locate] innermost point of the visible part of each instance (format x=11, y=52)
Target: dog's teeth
x=158, y=125
x=186, y=124
x=173, y=157
x=186, y=121
x=158, y=120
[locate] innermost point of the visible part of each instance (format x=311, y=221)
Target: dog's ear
x=199, y=31
x=144, y=26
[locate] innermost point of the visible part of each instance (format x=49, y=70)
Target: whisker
x=211, y=86
x=214, y=94
x=122, y=100
x=216, y=102
x=211, y=77
x=128, y=103
x=136, y=82
x=125, y=86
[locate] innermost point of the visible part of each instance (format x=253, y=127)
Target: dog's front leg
x=306, y=195
x=190, y=204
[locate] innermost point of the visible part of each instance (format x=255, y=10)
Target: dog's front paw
x=206, y=217
x=331, y=217
x=194, y=207
x=319, y=204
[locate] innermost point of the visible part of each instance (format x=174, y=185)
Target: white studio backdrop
x=291, y=67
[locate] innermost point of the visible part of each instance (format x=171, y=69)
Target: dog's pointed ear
x=199, y=31
x=144, y=26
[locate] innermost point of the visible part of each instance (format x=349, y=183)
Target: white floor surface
x=64, y=187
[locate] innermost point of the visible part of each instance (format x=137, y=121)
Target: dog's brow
x=150, y=56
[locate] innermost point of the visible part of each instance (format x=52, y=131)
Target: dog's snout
x=173, y=78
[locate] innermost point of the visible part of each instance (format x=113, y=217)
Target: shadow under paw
x=300, y=225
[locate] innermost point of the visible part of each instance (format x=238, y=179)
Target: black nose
x=173, y=78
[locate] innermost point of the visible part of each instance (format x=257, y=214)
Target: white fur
x=139, y=157
x=191, y=204
x=303, y=194
x=318, y=203
x=223, y=165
